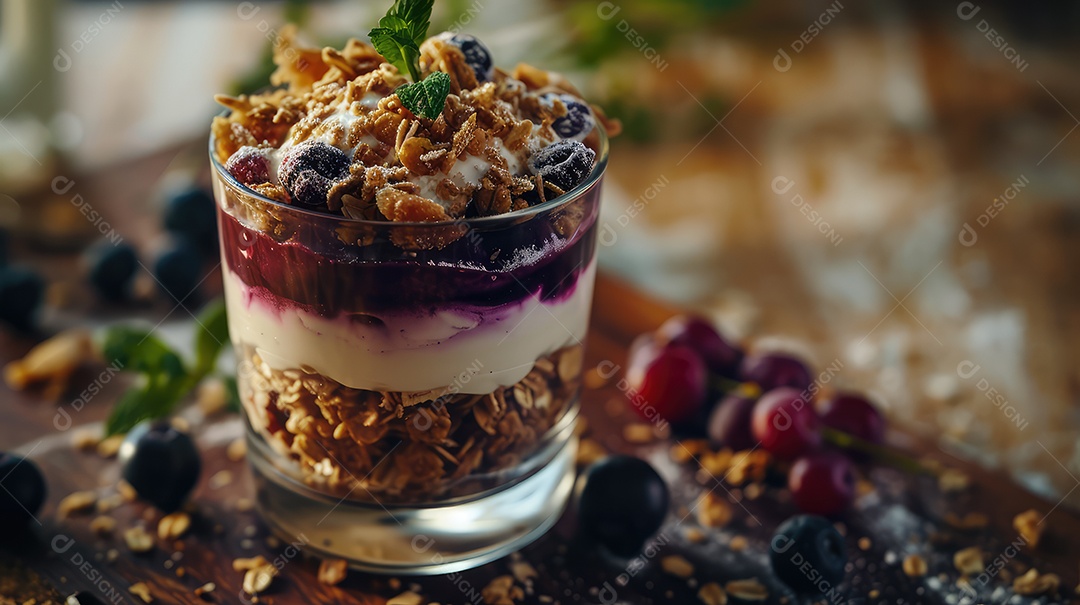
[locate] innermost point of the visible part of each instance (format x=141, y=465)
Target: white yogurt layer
x=473, y=352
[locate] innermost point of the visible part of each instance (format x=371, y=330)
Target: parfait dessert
x=408, y=242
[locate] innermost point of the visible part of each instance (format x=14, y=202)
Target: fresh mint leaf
x=401, y=32
x=136, y=350
x=427, y=97
x=415, y=15
x=212, y=334
x=398, y=49
x=157, y=397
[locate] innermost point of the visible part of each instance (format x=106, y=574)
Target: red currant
x=695, y=332
x=822, y=483
x=774, y=370
x=670, y=381
x=785, y=425
x=854, y=415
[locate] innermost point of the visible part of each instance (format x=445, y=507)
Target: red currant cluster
x=688, y=374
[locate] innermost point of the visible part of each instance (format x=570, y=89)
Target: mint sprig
x=164, y=377
x=398, y=40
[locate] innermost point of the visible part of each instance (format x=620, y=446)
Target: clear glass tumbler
x=410, y=389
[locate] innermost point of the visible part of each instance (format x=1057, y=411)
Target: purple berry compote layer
x=403, y=311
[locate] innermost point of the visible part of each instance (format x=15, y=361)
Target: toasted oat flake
x=258, y=579
x=748, y=590
x=639, y=433
x=595, y=378
x=865, y=543
x=713, y=510
x=212, y=396
x=220, y=479
x=914, y=566
x=247, y=564
x=77, y=502
x=142, y=591
x=126, y=491
x=173, y=525
x=110, y=446
x=1032, y=583
x=969, y=561
x=589, y=451
x=523, y=572
x=85, y=440
x=952, y=480
x=502, y=591
x=333, y=571
x=406, y=598
x=205, y=589
x=738, y=544
x=103, y=525
x=712, y=594
x=1030, y=525
x=138, y=540
x=694, y=535
x=52, y=361
x=677, y=566
x=237, y=450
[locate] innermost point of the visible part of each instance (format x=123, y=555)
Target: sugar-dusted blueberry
x=22, y=494
x=179, y=268
x=578, y=121
x=621, y=502
x=309, y=169
x=565, y=164
x=191, y=213
x=477, y=55
x=111, y=267
x=250, y=165
x=161, y=462
x=21, y=293
x=808, y=554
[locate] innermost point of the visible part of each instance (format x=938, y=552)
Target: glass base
x=442, y=538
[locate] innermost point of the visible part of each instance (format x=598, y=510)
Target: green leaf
x=398, y=49
x=414, y=14
x=212, y=334
x=137, y=350
x=232, y=391
x=155, y=398
x=427, y=97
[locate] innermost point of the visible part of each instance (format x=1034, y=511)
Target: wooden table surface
x=902, y=515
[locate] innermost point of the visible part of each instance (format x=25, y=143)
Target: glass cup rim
x=482, y=221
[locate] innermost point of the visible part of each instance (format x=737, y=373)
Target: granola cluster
x=407, y=447
x=473, y=160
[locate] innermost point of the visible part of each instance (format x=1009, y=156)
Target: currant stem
x=879, y=453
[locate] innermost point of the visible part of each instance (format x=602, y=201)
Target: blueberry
x=477, y=56
x=250, y=165
x=21, y=292
x=112, y=267
x=178, y=269
x=161, y=463
x=621, y=502
x=22, y=494
x=309, y=169
x=578, y=121
x=808, y=554
x=191, y=213
x=564, y=164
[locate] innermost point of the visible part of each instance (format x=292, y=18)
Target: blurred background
x=889, y=188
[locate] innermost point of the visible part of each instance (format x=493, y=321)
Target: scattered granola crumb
x=1029, y=524
x=51, y=362
x=85, y=440
x=712, y=594
x=639, y=432
x=1031, y=583
x=246, y=564
x=747, y=590
x=244, y=504
x=968, y=521
x=694, y=535
x=142, y=591
x=237, y=450
x=865, y=543
x=103, y=525
x=952, y=480
x=258, y=579
x=595, y=378
x=873, y=594
x=173, y=525
x=406, y=598
x=969, y=561
x=738, y=544
x=677, y=566
x=77, y=502
x=333, y=571
x=220, y=479
x=502, y=591
x=126, y=491
x=108, y=503
x=212, y=396
x=112, y=555
x=138, y=540
x=589, y=451
x=205, y=589
x=524, y=572
x=914, y=566
x=110, y=446
x=713, y=510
